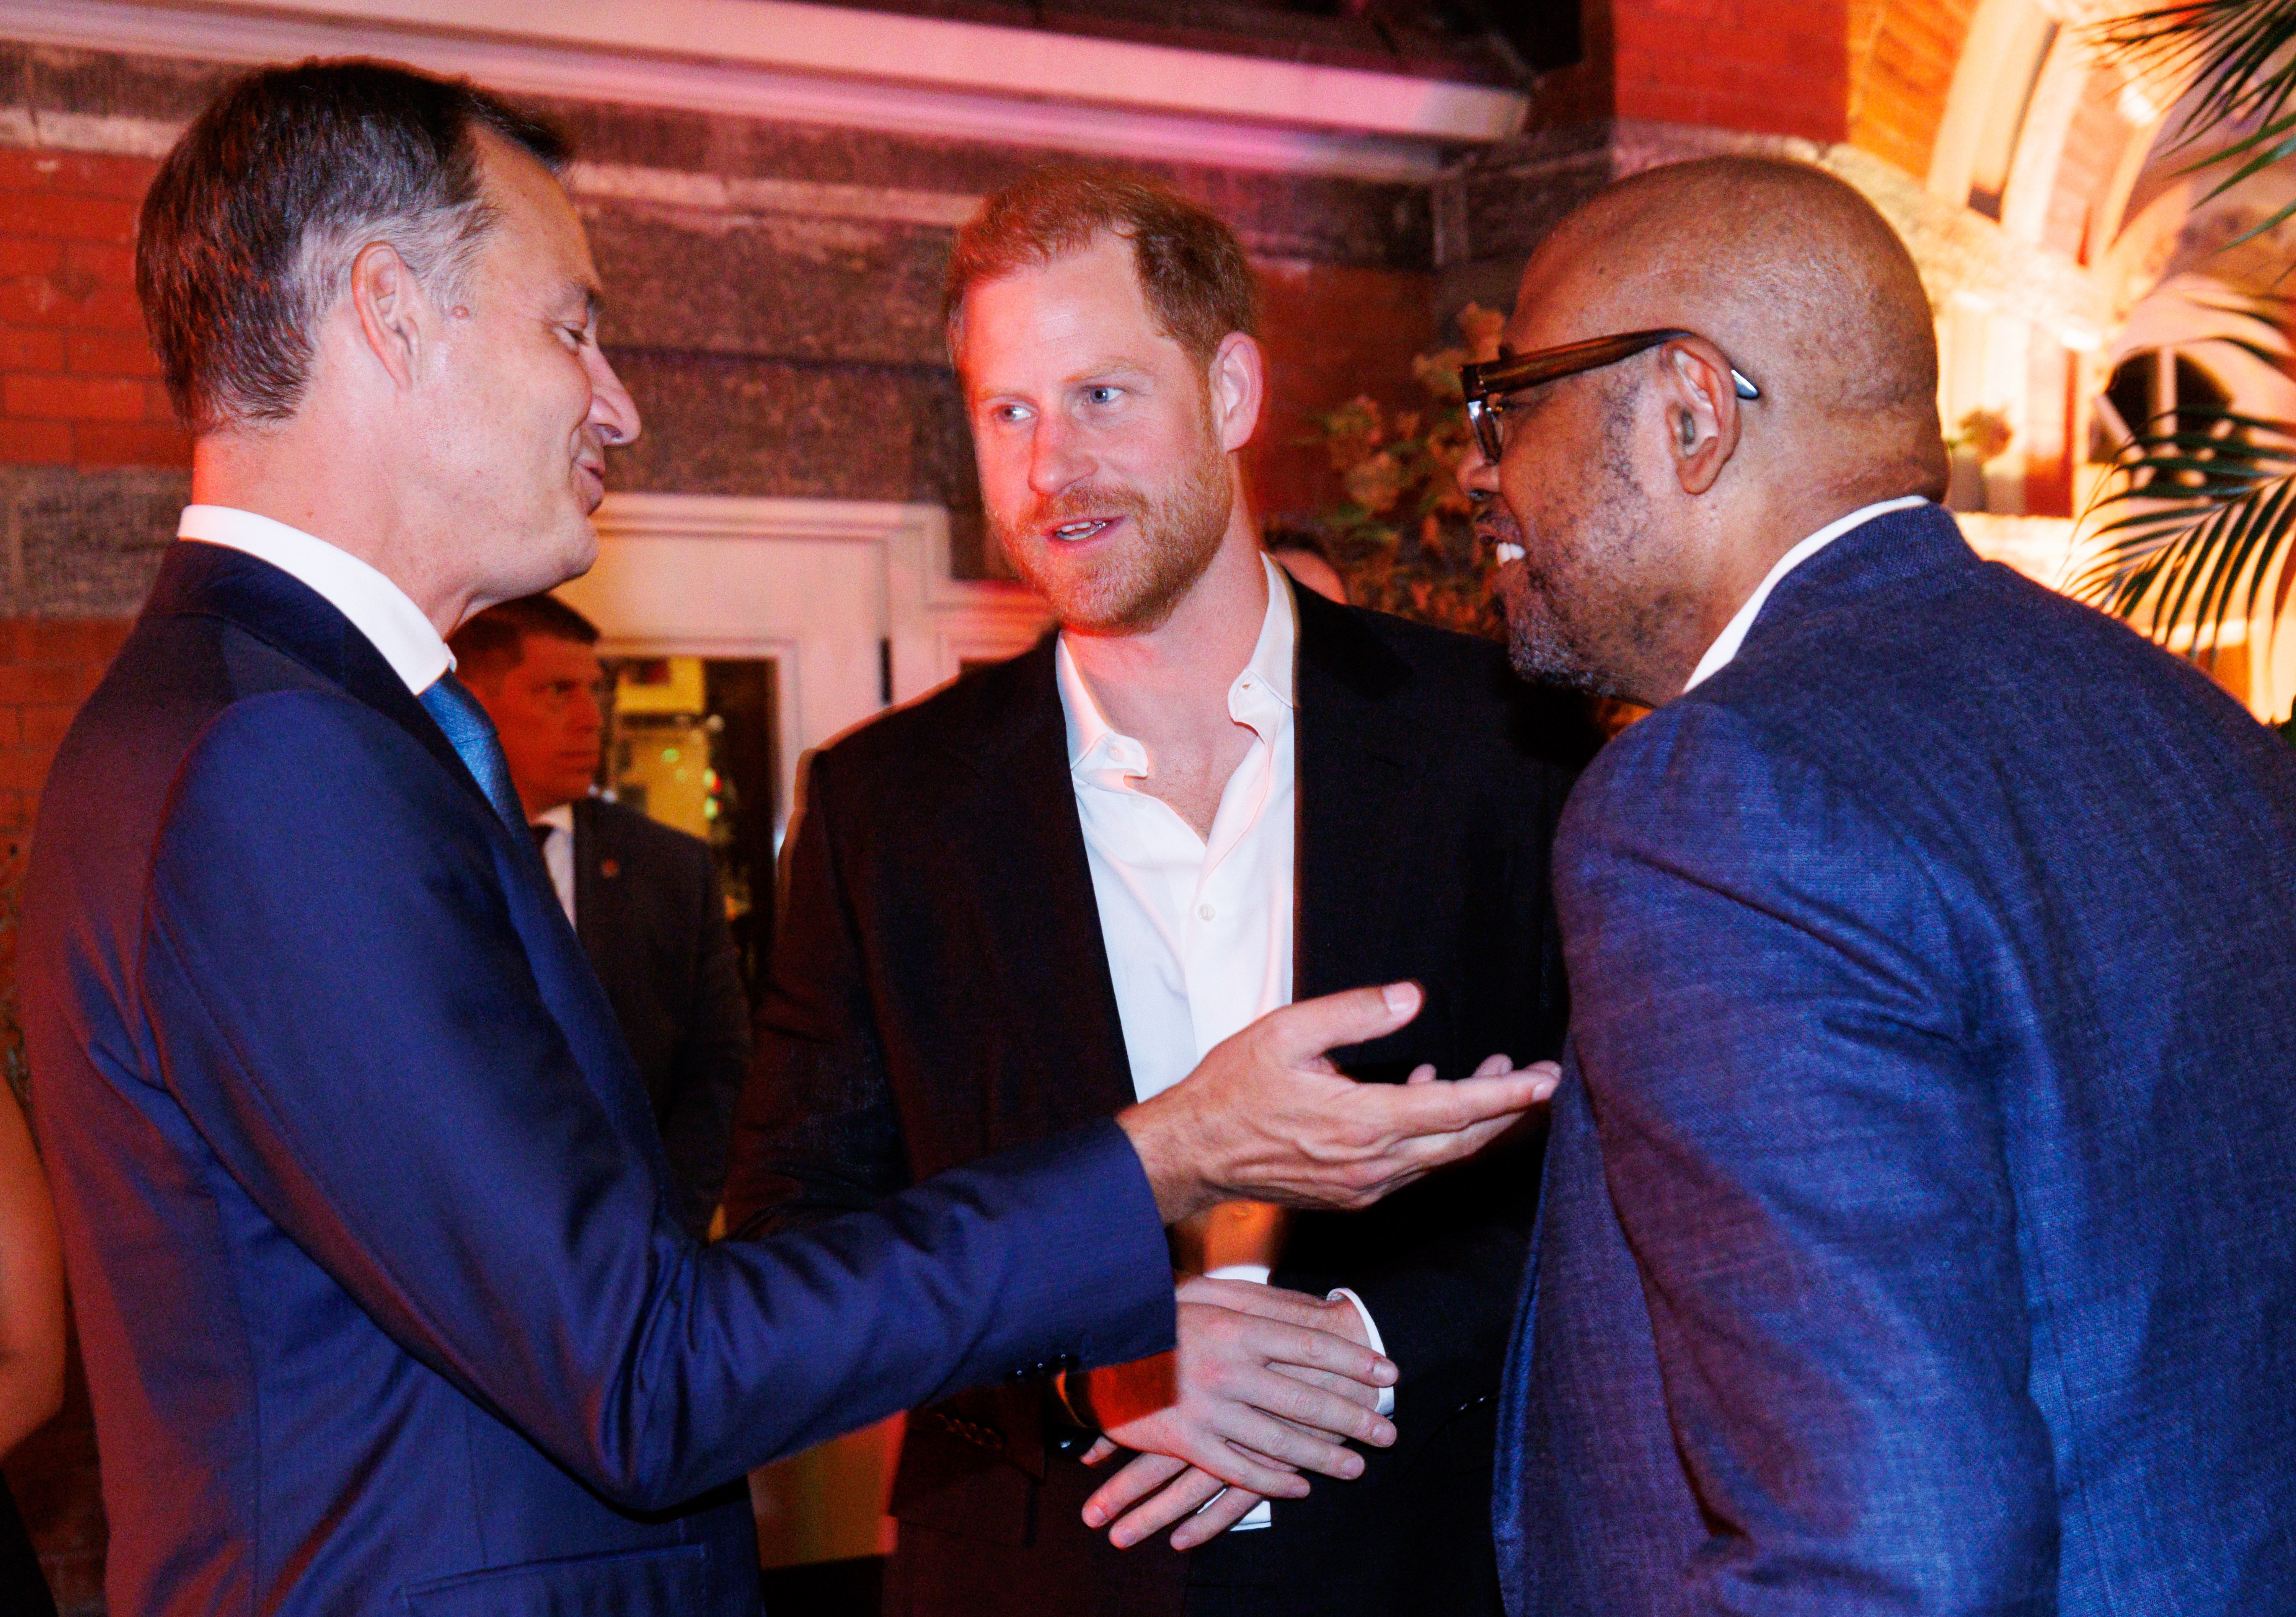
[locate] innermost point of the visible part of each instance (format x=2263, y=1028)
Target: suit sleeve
x=817, y=1131
x=1805, y=1150
x=340, y=1000
x=712, y=1057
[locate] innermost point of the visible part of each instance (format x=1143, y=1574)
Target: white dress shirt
x=1198, y=928
x=1733, y=633
x=376, y=607
x=558, y=854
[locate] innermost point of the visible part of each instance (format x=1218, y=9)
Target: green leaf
x=2202, y=502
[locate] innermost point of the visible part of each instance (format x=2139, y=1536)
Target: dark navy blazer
x=1920, y=1225
x=384, y=1301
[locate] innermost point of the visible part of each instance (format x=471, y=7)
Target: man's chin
x=576, y=553
x=1540, y=651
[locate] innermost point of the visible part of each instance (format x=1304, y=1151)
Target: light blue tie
x=467, y=726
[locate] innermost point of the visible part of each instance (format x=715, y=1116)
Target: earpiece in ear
x=1689, y=431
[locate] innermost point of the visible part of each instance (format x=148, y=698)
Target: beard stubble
x=1179, y=533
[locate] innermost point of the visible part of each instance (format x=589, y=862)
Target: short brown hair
x=1193, y=270
x=495, y=640
x=253, y=222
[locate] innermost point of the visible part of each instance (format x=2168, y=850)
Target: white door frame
x=829, y=589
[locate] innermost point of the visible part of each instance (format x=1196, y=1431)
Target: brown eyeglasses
x=1486, y=385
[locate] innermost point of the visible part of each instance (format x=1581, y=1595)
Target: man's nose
x=1057, y=459
x=612, y=411
x=588, y=716
x=1475, y=475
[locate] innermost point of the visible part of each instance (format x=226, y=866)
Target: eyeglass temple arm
x=1739, y=384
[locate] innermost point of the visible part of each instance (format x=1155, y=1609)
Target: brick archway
x=1902, y=58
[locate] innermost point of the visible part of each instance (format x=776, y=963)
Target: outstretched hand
x=1266, y=1116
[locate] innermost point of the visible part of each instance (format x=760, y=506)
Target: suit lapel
x=1355, y=786
x=1034, y=887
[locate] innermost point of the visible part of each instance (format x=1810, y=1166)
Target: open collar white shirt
x=376, y=607
x=1198, y=928
x=1719, y=655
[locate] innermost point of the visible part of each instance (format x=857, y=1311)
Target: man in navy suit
x=1919, y=1231
x=382, y=1298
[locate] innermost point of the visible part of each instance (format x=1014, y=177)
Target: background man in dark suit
x=367, y=1222
x=1037, y=897
x=1920, y=1232
x=643, y=897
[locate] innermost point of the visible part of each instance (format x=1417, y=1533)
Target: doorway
x=692, y=742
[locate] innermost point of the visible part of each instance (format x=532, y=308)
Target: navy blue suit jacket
x=383, y=1300
x=1920, y=1225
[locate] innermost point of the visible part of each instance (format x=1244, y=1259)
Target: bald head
x=1637, y=506
x=1795, y=277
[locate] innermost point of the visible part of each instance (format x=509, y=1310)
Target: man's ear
x=394, y=315
x=1239, y=390
x=1700, y=406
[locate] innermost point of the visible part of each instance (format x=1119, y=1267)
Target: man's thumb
x=1305, y=1030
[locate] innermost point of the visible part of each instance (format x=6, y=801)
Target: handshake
x=1267, y=1384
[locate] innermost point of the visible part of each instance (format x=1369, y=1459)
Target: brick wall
x=1766, y=67
x=47, y=668
x=1762, y=67
x=1903, y=56
x=78, y=381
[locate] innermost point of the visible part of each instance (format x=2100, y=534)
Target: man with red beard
x=1040, y=895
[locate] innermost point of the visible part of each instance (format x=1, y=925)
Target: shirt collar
x=376, y=607
x=1095, y=744
x=1719, y=655
x=561, y=816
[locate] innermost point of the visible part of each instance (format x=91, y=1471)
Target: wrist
x=1159, y=1133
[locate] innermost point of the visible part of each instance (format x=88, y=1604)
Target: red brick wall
x=1874, y=72
x=78, y=381
x=47, y=668
x=1903, y=55
x=1768, y=66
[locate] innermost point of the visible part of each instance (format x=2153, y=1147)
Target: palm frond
x=2192, y=525
x=2237, y=56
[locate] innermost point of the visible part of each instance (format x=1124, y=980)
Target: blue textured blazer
x=1920, y=1219
x=383, y=1300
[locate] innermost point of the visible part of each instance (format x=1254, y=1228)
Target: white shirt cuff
x=1260, y=1516
x=1386, y=1404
